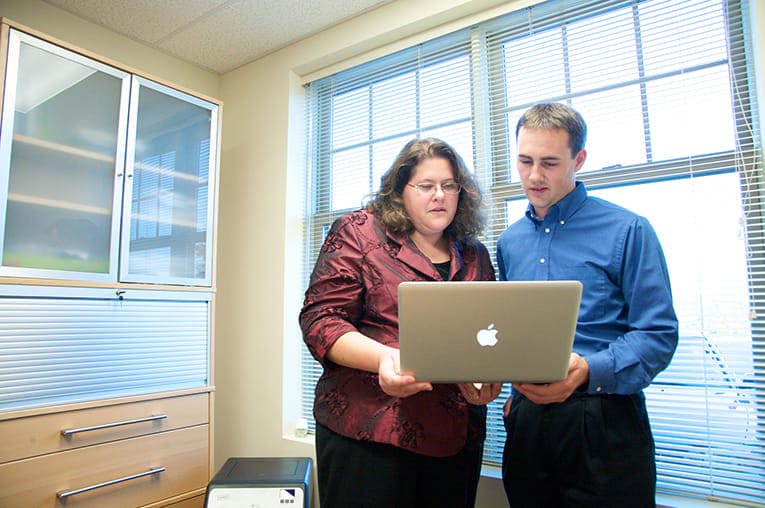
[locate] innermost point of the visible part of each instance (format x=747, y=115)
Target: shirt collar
x=410, y=255
x=564, y=208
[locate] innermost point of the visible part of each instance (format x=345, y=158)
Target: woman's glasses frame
x=429, y=188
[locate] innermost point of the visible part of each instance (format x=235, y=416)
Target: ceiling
x=218, y=35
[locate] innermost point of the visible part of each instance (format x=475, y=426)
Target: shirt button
x=562, y=222
x=541, y=260
x=597, y=389
x=547, y=230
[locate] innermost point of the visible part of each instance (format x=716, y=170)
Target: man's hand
x=479, y=394
x=578, y=374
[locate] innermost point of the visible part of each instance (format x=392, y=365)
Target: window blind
x=667, y=90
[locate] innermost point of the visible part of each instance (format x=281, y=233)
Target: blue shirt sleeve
x=645, y=348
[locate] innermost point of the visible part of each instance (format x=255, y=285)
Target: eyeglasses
x=429, y=189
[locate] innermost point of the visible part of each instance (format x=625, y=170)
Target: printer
x=261, y=482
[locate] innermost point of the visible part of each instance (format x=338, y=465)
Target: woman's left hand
x=479, y=394
x=397, y=383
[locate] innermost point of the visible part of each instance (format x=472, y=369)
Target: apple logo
x=487, y=336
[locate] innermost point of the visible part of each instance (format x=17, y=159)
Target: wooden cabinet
x=182, y=502
x=121, y=454
x=32, y=436
x=107, y=211
x=132, y=472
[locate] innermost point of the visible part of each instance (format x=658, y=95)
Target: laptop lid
x=458, y=332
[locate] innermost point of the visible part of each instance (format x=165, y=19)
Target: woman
x=384, y=439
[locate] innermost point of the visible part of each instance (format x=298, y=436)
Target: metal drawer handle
x=69, y=432
x=66, y=493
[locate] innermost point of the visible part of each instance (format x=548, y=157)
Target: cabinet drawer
x=34, y=483
x=186, y=502
x=38, y=435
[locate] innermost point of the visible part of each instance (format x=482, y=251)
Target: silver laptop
x=458, y=332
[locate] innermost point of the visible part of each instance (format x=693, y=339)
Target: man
x=585, y=441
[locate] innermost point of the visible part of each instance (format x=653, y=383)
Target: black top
x=443, y=268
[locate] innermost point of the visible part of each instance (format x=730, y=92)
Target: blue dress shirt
x=627, y=329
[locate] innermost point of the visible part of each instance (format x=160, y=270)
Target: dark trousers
x=362, y=474
x=588, y=451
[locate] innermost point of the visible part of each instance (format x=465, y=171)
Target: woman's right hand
x=394, y=382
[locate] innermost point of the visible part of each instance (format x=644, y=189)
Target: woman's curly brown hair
x=388, y=206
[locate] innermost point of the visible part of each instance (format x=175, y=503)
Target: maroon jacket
x=354, y=287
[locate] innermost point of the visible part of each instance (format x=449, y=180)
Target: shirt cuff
x=601, y=366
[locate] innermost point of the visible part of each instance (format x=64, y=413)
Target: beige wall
x=259, y=266
x=261, y=191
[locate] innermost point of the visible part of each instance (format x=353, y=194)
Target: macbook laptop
x=458, y=332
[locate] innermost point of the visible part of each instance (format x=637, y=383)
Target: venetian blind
x=667, y=90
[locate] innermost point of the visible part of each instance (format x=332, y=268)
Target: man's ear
x=579, y=159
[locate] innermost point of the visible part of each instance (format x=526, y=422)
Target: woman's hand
x=394, y=382
x=478, y=393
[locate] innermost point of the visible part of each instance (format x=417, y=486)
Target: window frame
x=492, y=134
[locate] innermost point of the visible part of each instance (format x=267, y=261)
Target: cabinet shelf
x=56, y=203
x=64, y=149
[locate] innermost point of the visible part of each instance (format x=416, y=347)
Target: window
x=666, y=89
x=153, y=207
x=153, y=202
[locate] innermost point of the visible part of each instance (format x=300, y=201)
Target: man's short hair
x=553, y=115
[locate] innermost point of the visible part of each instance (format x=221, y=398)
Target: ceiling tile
x=219, y=35
x=246, y=29
x=145, y=20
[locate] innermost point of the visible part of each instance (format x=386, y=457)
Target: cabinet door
x=61, y=162
x=66, y=345
x=170, y=176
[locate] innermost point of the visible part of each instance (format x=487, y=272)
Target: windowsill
x=307, y=440
x=668, y=501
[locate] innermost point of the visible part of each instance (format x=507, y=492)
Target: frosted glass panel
x=169, y=209
x=60, y=154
